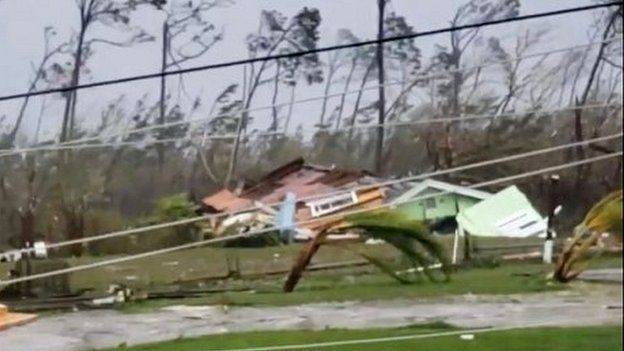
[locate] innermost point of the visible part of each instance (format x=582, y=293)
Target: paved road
x=607, y=275
x=587, y=304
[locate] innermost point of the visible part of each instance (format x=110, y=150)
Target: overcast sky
x=22, y=23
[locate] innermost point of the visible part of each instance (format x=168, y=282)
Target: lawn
x=198, y=263
x=362, y=283
x=347, y=285
x=343, y=286
x=548, y=339
x=211, y=262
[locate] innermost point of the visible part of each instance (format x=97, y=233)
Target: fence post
x=467, y=248
x=550, y=232
x=455, y=244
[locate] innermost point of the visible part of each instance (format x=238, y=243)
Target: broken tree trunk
x=305, y=256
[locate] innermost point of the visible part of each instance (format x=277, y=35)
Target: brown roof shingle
x=296, y=177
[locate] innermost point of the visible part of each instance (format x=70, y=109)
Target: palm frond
x=384, y=267
x=604, y=216
x=410, y=237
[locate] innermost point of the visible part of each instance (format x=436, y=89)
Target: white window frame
x=332, y=204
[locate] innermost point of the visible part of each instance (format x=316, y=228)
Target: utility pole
x=381, y=4
x=163, y=90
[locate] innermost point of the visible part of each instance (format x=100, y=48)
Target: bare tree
x=334, y=63
x=353, y=56
x=25, y=208
x=277, y=34
x=223, y=123
x=610, y=30
x=187, y=34
x=368, y=60
x=450, y=59
x=113, y=14
x=402, y=56
x=515, y=79
x=40, y=73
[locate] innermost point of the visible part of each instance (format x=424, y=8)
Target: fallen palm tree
x=411, y=238
x=605, y=216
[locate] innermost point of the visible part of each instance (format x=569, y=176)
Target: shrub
x=104, y=221
x=168, y=209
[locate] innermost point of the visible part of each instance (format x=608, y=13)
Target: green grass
x=342, y=286
x=323, y=286
x=547, y=339
x=197, y=263
x=212, y=262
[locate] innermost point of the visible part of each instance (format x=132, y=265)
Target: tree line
x=72, y=193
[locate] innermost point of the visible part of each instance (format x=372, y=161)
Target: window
x=430, y=203
x=332, y=204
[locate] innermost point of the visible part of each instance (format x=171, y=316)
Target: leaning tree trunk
x=20, y=117
x=69, y=114
x=303, y=260
x=275, y=110
x=328, y=82
x=242, y=124
x=70, y=101
x=358, y=100
x=346, y=89
x=291, y=103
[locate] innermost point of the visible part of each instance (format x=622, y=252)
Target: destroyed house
x=304, y=181
x=434, y=200
x=508, y=213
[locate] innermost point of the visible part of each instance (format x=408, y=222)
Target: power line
x=378, y=340
x=311, y=51
x=145, y=143
x=305, y=222
x=468, y=166
x=185, y=221
x=285, y=104
x=462, y=118
x=466, y=118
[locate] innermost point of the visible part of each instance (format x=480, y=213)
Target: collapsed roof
x=297, y=177
x=508, y=213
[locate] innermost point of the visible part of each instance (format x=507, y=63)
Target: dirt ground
x=584, y=304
